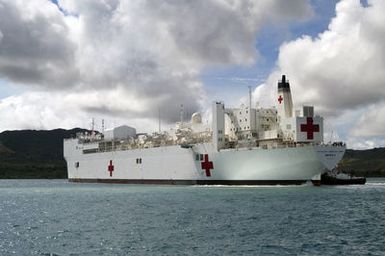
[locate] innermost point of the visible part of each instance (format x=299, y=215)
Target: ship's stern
x=71, y=153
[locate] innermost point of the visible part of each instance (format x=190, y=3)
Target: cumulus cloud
x=127, y=57
x=342, y=69
x=34, y=44
x=371, y=122
x=45, y=110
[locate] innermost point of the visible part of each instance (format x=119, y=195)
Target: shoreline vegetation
x=30, y=154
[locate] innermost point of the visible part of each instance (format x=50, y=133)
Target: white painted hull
x=177, y=165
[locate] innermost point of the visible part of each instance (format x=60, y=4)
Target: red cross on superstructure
x=280, y=99
x=309, y=128
x=207, y=165
x=111, y=168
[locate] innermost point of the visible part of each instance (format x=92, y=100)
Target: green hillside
x=33, y=154
x=368, y=163
x=39, y=154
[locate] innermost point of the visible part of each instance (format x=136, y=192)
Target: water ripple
x=40, y=217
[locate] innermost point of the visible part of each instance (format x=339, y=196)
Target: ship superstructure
x=244, y=145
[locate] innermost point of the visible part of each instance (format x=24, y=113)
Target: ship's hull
x=200, y=164
x=192, y=182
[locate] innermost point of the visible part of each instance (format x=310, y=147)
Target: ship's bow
x=330, y=154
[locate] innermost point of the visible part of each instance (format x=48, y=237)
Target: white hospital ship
x=243, y=145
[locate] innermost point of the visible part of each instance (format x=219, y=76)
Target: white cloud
x=124, y=57
x=342, y=69
x=49, y=110
x=365, y=143
x=372, y=122
x=35, y=47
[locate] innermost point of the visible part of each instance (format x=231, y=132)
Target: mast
x=93, y=125
x=249, y=118
x=159, y=120
x=181, y=114
x=249, y=97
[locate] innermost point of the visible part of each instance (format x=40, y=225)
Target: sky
x=65, y=62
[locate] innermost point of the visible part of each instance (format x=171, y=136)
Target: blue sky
x=124, y=60
x=7, y=89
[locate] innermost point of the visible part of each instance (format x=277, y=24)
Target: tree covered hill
x=39, y=154
x=368, y=163
x=33, y=154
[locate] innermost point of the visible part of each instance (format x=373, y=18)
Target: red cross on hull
x=111, y=168
x=207, y=165
x=309, y=128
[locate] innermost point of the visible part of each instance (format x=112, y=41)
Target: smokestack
x=285, y=102
x=283, y=84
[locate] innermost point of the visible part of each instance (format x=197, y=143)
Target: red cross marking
x=280, y=99
x=309, y=128
x=206, y=165
x=111, y=168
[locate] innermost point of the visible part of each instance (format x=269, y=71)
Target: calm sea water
x=54, y=217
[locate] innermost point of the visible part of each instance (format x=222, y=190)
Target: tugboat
x=335, y=177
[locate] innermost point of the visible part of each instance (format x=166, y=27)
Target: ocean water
x=54, y=217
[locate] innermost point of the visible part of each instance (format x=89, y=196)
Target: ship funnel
x=285, y=102
x=283, y=84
